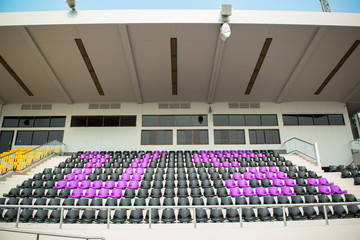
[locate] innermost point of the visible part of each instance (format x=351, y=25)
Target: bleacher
x=177, y=187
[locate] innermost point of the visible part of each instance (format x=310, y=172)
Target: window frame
x=229, y=136
x=157, y=132
x=192, y=136
x=264, y=134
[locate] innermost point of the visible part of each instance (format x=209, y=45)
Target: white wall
x=333, y=140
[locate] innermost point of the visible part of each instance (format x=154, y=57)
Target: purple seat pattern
x=274, y=191
x=90, y=193
x=76, y=193
x=73, y=184
x=287, y=191
x=61, y=184
x=109, y=184
x=103, y=193
x=235, y=192
x=248, y=192
x=85, y=184
x=116, y=193
x=97, y=184
x=324, y=189
x=290, y=182
x=230, y=183
x=261, y=191
x=277, y=182
x=336, y=189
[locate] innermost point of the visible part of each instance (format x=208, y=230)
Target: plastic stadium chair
x=324, y=190
x=248, y=192
x=40, y=216
x=121, y=184
x=299, y=190
x=209, y=192
x=277, y=182
x=350, y=198
x=72, y=216
x=103, y=193
x=88, y=216
x=110, y=184
x=154, y=202
x=261, y=191
x=61, y=184
x=111, y=202
x=310, y=213
x=295, y=213
x=26, y=201
x=289, y=182
x=154, y=216
x=136, y=216
x=133, y=184
x=73, y=184
x=264, y=214
x=76, y=193
x=10, y=215
x=340, y=211
x=337, y=198
x=184, y=215
x=336, y=189
x=168, y=216
x=266, y=183
x=311, y=190
x=90, y=193
x=197, y=201
x=323, y=181
x=235, y=192
x=201, y=215
x=242, y=183
x=248, y=214
x=216, y=215
x=222, y=192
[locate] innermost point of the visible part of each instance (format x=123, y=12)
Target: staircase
x=15, y=178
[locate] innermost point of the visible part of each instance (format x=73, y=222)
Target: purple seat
x=90, y=193
x=61, y=184
x=81, y=176
x=230, y=183
x=134, y=164
x=323, y=181
x=85, y=184
x=261, y=191
x=259, y=175
x=242, y=183
x=140, y=170
x=89, y=165
x=237, y=175
x=87, y=170
x=336, y=189
x=226, y=164
x=290, y=182
x=277, y=182
x=248, y=175
x=76, y=193
x=263, y=169
x=97, y=184
x=98, y=165
x=235, y=192
x=270, y=175
x=281, y=175
x=324, y=189
x=249, y=192
x=103, y=193
x=252, y=169
x=287, y=191
x=116, y=193
x=109, y=184
x=125, y=177
x=235, y=164
x=133, y=184
x=73, y=184
x=121, y=184
x=274, y=191
x=273, y=169
x=144, y=164
x=102, y=160
x=312, y=181
x=136, y=177
x=77, y=171
x=216, y=164
x=70, y=177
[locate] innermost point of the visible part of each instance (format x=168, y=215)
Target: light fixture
x=225, y=31
x=70, y=4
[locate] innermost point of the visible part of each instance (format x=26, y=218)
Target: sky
x=352, y=6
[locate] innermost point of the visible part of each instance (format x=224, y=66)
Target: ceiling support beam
x=352, y=93
x=45, y=63
x=216, y=68
x=124, y=35
x=300, y=65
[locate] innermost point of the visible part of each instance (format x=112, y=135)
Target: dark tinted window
x=321, y=119
x=10, y=122
x=57, y=121
x=269, y=120
x=56, y=135
x=253, y=120
x=166, y=121
x=78, y=121
x=192, y=137
x=306, y=120
x=336, y=119
x=182, y=120
x=198, y=120
x=42, y=121
x=23, y=138
x=264, y=136
x=237, y=137
x=95, y=121
x=155, y=137
x=111, y=121
x=290, y=120
x=39, y=137
x=26, y=121
x=128, y=121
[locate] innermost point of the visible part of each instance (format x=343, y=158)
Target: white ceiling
x=299, y=59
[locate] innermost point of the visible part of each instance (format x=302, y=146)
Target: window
x=174, y=120
x=103, y=121
x=313, y=119
x=245, y=120
x=229, y=136
x=54, y=121
x=38, y=137
x=156, y=137
x=192, y=137
x=264, y=136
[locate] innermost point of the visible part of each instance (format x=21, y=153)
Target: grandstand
x=146, y=123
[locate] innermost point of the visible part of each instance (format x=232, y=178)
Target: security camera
x=70, y=4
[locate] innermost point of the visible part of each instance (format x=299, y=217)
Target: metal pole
x=284, y=216
x=37, y=236
x=194, y=217
x=61, y=217
x=241, y=219
x=108, y=219
x=149, y=218
x=18, y=218
x=325, y=215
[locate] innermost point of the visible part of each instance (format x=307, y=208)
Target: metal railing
x=38, y=234
x=305, y=149
x=355, y=150
x=34, y=155
x=7, y=163
x=193, y=208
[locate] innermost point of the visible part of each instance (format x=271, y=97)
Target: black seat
x=183, y=201
x=264, y=214
x=254, y=200
x=212, y=201
x=136, y=216
x=11, y=215
x=143, y=193
x=254, y=183
x=356, y=180
x=40, y=216
x=54, y=202
x=96, y=202
x=169, y=192
x=353, y=211
x=295, y=213
x=145, y=184
x=345, y=174
x=222, y=192
x=310, y=199
x=26, y=192
x=102, y=216
x=125, y=202
x=195, y=192
x=51, y=193
x=216, y=215
x=88, y=216
x=201, y=215
x=169, y=202
x=266, y=183
x=39, y=192
x=296, y=199
x=311, y=190
x=337, y=198
x=299, y=190
x=129, y=193
x=182, y=192
x=26, y=184
x=26, y=201
x=154, y=216
x=241, y=200
x=197, y=201
x=226, y=201
x=140, y=202
x=69, y=202
x=26, y=215
x=54, y=216
x=82, y=202
x=248, y=214
x=350, y=197
x=209, y=192
x=168, y=216
x=184, y=215
x=340, y=211
x=169, y=184
x=232, y=215
x=40, y=201
x=64, y=193
x=154, y=202
x=218, y=183
x=194, y=184
x=49, y=184
x=310, y=213
x=156, y=193
x=13, y=201
x=14, y=192
x=269, y=200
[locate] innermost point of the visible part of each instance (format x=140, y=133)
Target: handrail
x=51, y=234
x=301, y=140
x=240, y=207
x=7, y=163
